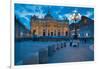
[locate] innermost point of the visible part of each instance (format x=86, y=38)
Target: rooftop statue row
x=48, y=16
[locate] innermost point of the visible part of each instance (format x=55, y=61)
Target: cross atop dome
x=34, y=17
x=48, y=15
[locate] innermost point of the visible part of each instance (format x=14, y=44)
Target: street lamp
x=75, y=17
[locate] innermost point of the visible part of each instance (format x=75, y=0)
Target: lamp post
x=75, y=17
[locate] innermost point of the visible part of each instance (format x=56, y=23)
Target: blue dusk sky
x=24, y=12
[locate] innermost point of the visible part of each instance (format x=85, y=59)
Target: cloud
x=75, y=11
x=26, y=18
x=89, y=14
x=71, y=14
x=60, y=17
x=68, y=15
x=25, y=11
x=38, y=11
x=59, y=10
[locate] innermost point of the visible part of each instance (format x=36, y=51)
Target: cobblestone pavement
x=72, y=54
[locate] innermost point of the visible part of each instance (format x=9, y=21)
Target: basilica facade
x=48, y=26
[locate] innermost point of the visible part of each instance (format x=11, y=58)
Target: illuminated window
x=86, y=34
x=21, y=33
x=85, y=21
x=78, y=35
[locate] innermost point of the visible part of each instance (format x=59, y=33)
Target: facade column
x=53, y=32
x=64, y=33
x=61, y=31
x=46, y=31
x=50, y=32
x=57, y=31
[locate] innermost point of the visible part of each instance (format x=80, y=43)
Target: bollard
x=43, y=55
x=33, y=59
x=64, y=44
x=51, y=50
x=58, y=46
x=55, y=46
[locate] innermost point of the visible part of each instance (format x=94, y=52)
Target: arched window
x=58, y=32
x=66, y=33
x=44, y=33
x=55, y=33
x=51, y=33
x=34, y=32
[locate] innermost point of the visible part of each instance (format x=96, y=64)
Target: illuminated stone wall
x=49, y=28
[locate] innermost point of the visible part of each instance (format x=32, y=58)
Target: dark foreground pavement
x=72, y=54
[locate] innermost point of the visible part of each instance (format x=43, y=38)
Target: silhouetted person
x=70, y=43
x=85, y=40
